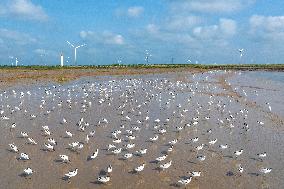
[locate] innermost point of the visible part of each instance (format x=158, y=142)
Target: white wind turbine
x=241, y=53
x=75, y=50
x=16, y=60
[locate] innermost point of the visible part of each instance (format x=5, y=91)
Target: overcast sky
x=207, y=31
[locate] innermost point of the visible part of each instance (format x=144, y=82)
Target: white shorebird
x=110, y=146
x=24, y=134
x=109, y=169
x=265, y=170
x=201, y=157
x=141, y=152
x=240, y=168
x=103, y=179
x=24, y=156
x=140, y=168
x=194, y=139
x=52, y=141
x=166, y=165
x=69, y=134
x=222, y=146
x=154, y=138
x=94, y=155
x=195, y=173
x=117, y=151
x=161, y=158
x=128, y=155
x=13, y=147
x=32, y=141
x=64, y=158
x=239, y=152
x=185, y=181
x=28, y=171
x=212, y=142
x=71, y=174
x=173, y=142
x=49, y=147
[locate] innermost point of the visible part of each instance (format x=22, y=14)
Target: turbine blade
x=71, y=44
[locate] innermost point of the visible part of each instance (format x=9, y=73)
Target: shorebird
x=28, y=171
x=117, y=151
x=103, y=179
x=71, y=174
x=49, y=147
x=94, y=155
x=52, y=141
x=154, y=138
x=240, y=168
x=128, y=155
x=24, y=134
x=239, y=152
x=64, y=158
x=141, y=152
x=195, y=173
x=161, y=158
x=221, y=146
x=13, y=147
x=32, y=141
x=173, y=142
x=212, y=141
x=265, y=170
x=201, y=157
x=140, y=168
x=69, y=134
x=166, y=165
x=24, y=156
x=109, y=169
x=185, y=181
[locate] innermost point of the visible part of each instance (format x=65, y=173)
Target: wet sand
x=179, y=96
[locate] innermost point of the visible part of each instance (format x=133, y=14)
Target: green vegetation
x=275, y=67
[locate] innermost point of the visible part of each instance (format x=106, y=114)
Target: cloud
x=267, y=27
x=23, y=9
x=10, y=36
x=181, y=22
x=225, y=29
x=211, y=6
x=106, y=37
x=135, y=11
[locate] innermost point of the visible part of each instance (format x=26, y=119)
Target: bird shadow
x=133, y=172
x=228, y=156
x=66, y=178
x=102, y=172
x=175, y=185
x=192, y=162
x=9, y=150
x=229, y=174
x=96, y=182
x=253, y=174
x=154, y=161
x=23, y=175
x=256, y=159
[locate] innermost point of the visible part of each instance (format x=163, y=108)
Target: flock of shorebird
x=134, y=114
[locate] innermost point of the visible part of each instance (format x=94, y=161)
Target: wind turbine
x=148, y=55
x=16, y=60
x=241, y=54
x=75, y=51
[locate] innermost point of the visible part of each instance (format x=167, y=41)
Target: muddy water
x=178, y=97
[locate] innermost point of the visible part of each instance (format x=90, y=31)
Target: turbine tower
x=75, y=51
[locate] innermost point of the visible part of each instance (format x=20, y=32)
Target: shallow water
x=177, y=96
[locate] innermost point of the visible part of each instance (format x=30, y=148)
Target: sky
x=126, y=31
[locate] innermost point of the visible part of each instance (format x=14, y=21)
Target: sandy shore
x=177, y=97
